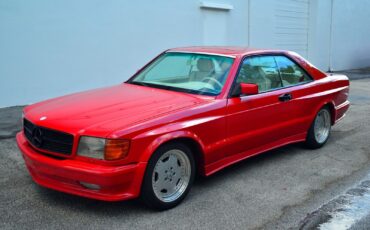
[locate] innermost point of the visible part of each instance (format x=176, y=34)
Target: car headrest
x=205, y=65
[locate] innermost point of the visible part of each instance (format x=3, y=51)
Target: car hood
x=102, y=111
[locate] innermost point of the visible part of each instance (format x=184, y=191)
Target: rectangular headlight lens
x=104, y=149
x=91, y=147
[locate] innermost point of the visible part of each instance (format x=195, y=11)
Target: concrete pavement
x=275, y=190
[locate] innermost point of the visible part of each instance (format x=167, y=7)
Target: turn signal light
x=116, y=149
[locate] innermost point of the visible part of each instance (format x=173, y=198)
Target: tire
x=169, y=176
x=320, y=129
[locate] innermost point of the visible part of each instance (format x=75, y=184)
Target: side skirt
x=223, y=163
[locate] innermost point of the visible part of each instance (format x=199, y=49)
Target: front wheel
x=169, y=176
x=319, y=132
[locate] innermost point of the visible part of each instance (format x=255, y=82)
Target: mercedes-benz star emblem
x=37, y=137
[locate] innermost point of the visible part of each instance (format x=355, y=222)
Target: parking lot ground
x=355, y=74
x=279, y=189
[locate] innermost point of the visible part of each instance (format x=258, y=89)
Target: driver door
x=255, y=121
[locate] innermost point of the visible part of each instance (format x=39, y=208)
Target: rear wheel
x=319, y=132
x=169, y=176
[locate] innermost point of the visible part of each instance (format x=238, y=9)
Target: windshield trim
x=200, y=52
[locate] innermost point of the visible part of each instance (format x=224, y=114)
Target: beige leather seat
x=255, y=75
x=205, y=69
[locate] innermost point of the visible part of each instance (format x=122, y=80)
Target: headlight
x=100, y=148
x=91, y=147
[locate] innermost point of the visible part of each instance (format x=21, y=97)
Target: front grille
x=48, y=139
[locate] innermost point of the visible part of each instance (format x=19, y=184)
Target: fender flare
x=167, y=137
x=332, y=111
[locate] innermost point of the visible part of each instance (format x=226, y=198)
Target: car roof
x=223, y=50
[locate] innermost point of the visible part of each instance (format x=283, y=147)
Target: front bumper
x=66, y=175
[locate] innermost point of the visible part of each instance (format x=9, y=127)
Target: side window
x=291, y=73
x=262, y=71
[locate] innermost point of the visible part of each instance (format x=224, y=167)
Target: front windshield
x=186, y=72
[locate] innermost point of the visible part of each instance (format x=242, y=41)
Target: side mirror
x=245, y=89
x=248, y=88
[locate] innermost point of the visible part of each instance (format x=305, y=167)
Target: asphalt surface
x=289, y=187
x=355, y=74
x=10, y=121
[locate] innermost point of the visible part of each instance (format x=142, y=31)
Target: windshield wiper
x=139, y=83
x=151, y=85
x=167, y=87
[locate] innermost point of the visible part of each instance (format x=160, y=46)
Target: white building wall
x=350, y=45
x=282, y=24
x=51, y=48
x=319, y=33
x=332, y=34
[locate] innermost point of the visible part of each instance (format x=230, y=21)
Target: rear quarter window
x=290, y=72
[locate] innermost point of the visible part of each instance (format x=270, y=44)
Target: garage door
x=291, y=28
x=279, y=24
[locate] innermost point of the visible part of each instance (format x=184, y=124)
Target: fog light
x=90, y=186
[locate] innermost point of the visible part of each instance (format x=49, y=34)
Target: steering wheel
x=213, y=80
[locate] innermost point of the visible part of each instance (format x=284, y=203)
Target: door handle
x=285, y=97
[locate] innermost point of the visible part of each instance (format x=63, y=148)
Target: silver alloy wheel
x=171, y=175
x=322, y=126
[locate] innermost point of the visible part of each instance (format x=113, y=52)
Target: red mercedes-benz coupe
x=190, y=110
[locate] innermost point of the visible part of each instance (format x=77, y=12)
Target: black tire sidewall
x=311, y=141
x=147, y=193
